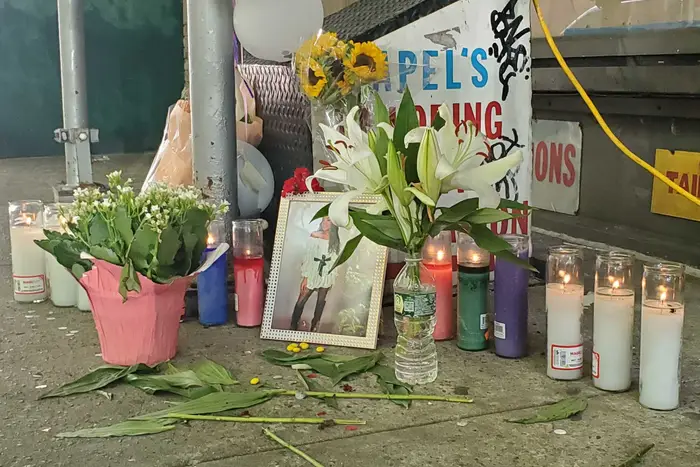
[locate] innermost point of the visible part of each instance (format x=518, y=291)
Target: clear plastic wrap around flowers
x=335, y=76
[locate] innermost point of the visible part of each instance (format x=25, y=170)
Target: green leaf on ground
x=96, y=379
x=311, y=384
x=212, y=373
x=278, y=357
x=638, y=457
x=355, y=366
x=128, y=428
x=213, y=403
x=559, y=411
x=386, y=378
x=184, y=383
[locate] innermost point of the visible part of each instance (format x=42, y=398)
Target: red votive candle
x=248, y=271
x=437, y=258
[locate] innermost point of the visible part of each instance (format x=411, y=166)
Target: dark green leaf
x=128, y=281
x=354, y=366
x=143, y=246
x=638, y=457
x=314, y=386
x=213, y=403
x=213, y=373
x=407, y=120
x=459, y=211
x=506, y=203
x=381, y=113
x=99, y=231
x=381, y=146
x=122, y=223
x=96, y=379
x=438, y=122
x=551, y=413
x=277, y=357
x=348, y=250
x=104, y=253
x=128, y=428
x=323, y=212
x=185, y=384
x=377, y=234
x=385, y=223
x=487, y=216
x=511, y=258
x=78, y=270
x=488, y=240
x=169, y=245
x=386, y=378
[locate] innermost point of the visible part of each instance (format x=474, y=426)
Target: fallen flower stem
x=310, y=421
x=296, y=451
x=637, y=458
x=395, y=397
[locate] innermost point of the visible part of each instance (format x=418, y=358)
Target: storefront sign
x=684, y=169
x=474, y=56
x=556, y=166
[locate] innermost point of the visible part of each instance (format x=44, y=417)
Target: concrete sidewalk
x=35, y=351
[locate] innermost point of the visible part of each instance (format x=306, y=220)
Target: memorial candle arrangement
x=510, y=301
x=248, y=271
x=28, y=260
x=473, y=286
x=613, y=322
x=212, y=289
x=63, y=287
x=662, y=334
x=437, y=259
x=564, y=303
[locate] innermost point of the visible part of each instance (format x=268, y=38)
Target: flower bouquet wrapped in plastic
x=336, y=76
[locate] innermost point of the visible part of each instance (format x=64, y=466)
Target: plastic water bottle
x=414, y=317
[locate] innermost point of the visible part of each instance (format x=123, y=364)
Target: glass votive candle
x=248, y=271
x=473, y=288
x=663, y=311
x=212, y=289
x=511, y=284
x=28, y=260
x=613, y=322
x=63, y=287
x=437, y=259
x=564, y=303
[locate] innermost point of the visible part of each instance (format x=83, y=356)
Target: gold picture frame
x=316, y=305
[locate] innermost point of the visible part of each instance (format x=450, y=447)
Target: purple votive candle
x=510, y=301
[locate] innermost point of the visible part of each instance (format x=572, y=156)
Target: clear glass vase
x=414, y=317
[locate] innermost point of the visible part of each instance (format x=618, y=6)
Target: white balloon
x=256, y=183
x=274, y=29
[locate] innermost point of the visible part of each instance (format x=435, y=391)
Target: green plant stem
x=390, y=205
x=305, y=421
x=296, y=451
x=396, y=397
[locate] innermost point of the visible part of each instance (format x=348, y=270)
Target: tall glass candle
x=63, y=287
x=473, y=288
x=510, y=301
x=613, y=322
x=28, y=260
x=212, y=288
x=248, y=271
x=663, y=310
x=564, y=303
x=437, y=259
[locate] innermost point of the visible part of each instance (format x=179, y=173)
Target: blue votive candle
x=212, y=287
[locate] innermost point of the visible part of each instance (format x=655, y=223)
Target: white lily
x=357, y=168
x=461, y=159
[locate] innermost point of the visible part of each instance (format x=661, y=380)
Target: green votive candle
x=473, y=273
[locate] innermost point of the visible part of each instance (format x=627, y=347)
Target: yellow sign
x=684, y=169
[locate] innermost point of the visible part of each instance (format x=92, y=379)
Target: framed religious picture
x=308, y=300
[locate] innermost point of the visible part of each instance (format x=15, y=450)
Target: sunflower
x=367, y=61
x=313, y=79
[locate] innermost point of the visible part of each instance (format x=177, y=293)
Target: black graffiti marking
x=511, y=55
x=507, y=187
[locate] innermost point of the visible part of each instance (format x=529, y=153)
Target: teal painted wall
x=134, y=72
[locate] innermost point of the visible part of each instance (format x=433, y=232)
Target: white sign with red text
x=474, y=56
x=556, y=166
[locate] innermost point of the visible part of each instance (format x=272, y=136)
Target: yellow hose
x=599, y=118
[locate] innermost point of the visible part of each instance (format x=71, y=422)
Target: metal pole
x=75, y=133
x=212, y=100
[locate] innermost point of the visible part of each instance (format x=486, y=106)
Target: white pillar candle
x=63, y=287
x=83, y=299
x=28, y=264
x=613, y=324
x=660, y=359
x=564, y=341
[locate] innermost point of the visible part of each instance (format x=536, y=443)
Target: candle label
x=499, y=330
x=483, y=323
x=566, y=357
x=595, y=371
x=414, y=305
x=28, y=285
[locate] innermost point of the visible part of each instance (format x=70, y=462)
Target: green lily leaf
x=487, y=216
x=407, y=120
x=278, y=357
x=382, y=230
x=386, y=378
x=438, y=122
x=397, y=177
x=511, y=258
x=349, y=248
x=488, y=240
x=323, y=212
x=96, y=379
x=559, y=411
x=128, y=428
x=213, y=403
x=185, y=383
x=354, y=366
x=459, y=211
x=381, y=113
x=213, y=373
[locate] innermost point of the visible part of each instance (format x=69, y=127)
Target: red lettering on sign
x=517, y=224
x=569, y=153
x=555, y=157
x=696, y=189
x=673, y=176
x=494, y=125
x=541, y=161
x=684, y=182
x=421, y=116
